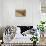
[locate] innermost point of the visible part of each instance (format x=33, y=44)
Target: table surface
x=42, y=41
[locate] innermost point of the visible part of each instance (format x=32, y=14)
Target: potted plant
x=41, y=27
x=34, y=39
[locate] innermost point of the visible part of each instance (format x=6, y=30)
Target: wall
x=0, y=12
x=32, y=12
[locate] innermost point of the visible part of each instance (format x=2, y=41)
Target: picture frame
x=21, y=13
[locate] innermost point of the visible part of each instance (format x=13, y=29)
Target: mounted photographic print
x=20, y=13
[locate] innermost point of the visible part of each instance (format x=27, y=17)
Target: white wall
x=32, y=12
x=0, y=13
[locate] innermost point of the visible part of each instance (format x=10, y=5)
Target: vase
x=42, y=34
x=34, y=43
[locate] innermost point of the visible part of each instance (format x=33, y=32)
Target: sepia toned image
x=20, y=13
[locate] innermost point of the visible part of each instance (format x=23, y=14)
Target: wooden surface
x=42, y=41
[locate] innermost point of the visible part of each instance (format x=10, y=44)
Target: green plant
x=41, y=26
x=34, y=39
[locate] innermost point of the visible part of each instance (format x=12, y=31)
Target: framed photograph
x=20, y=13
